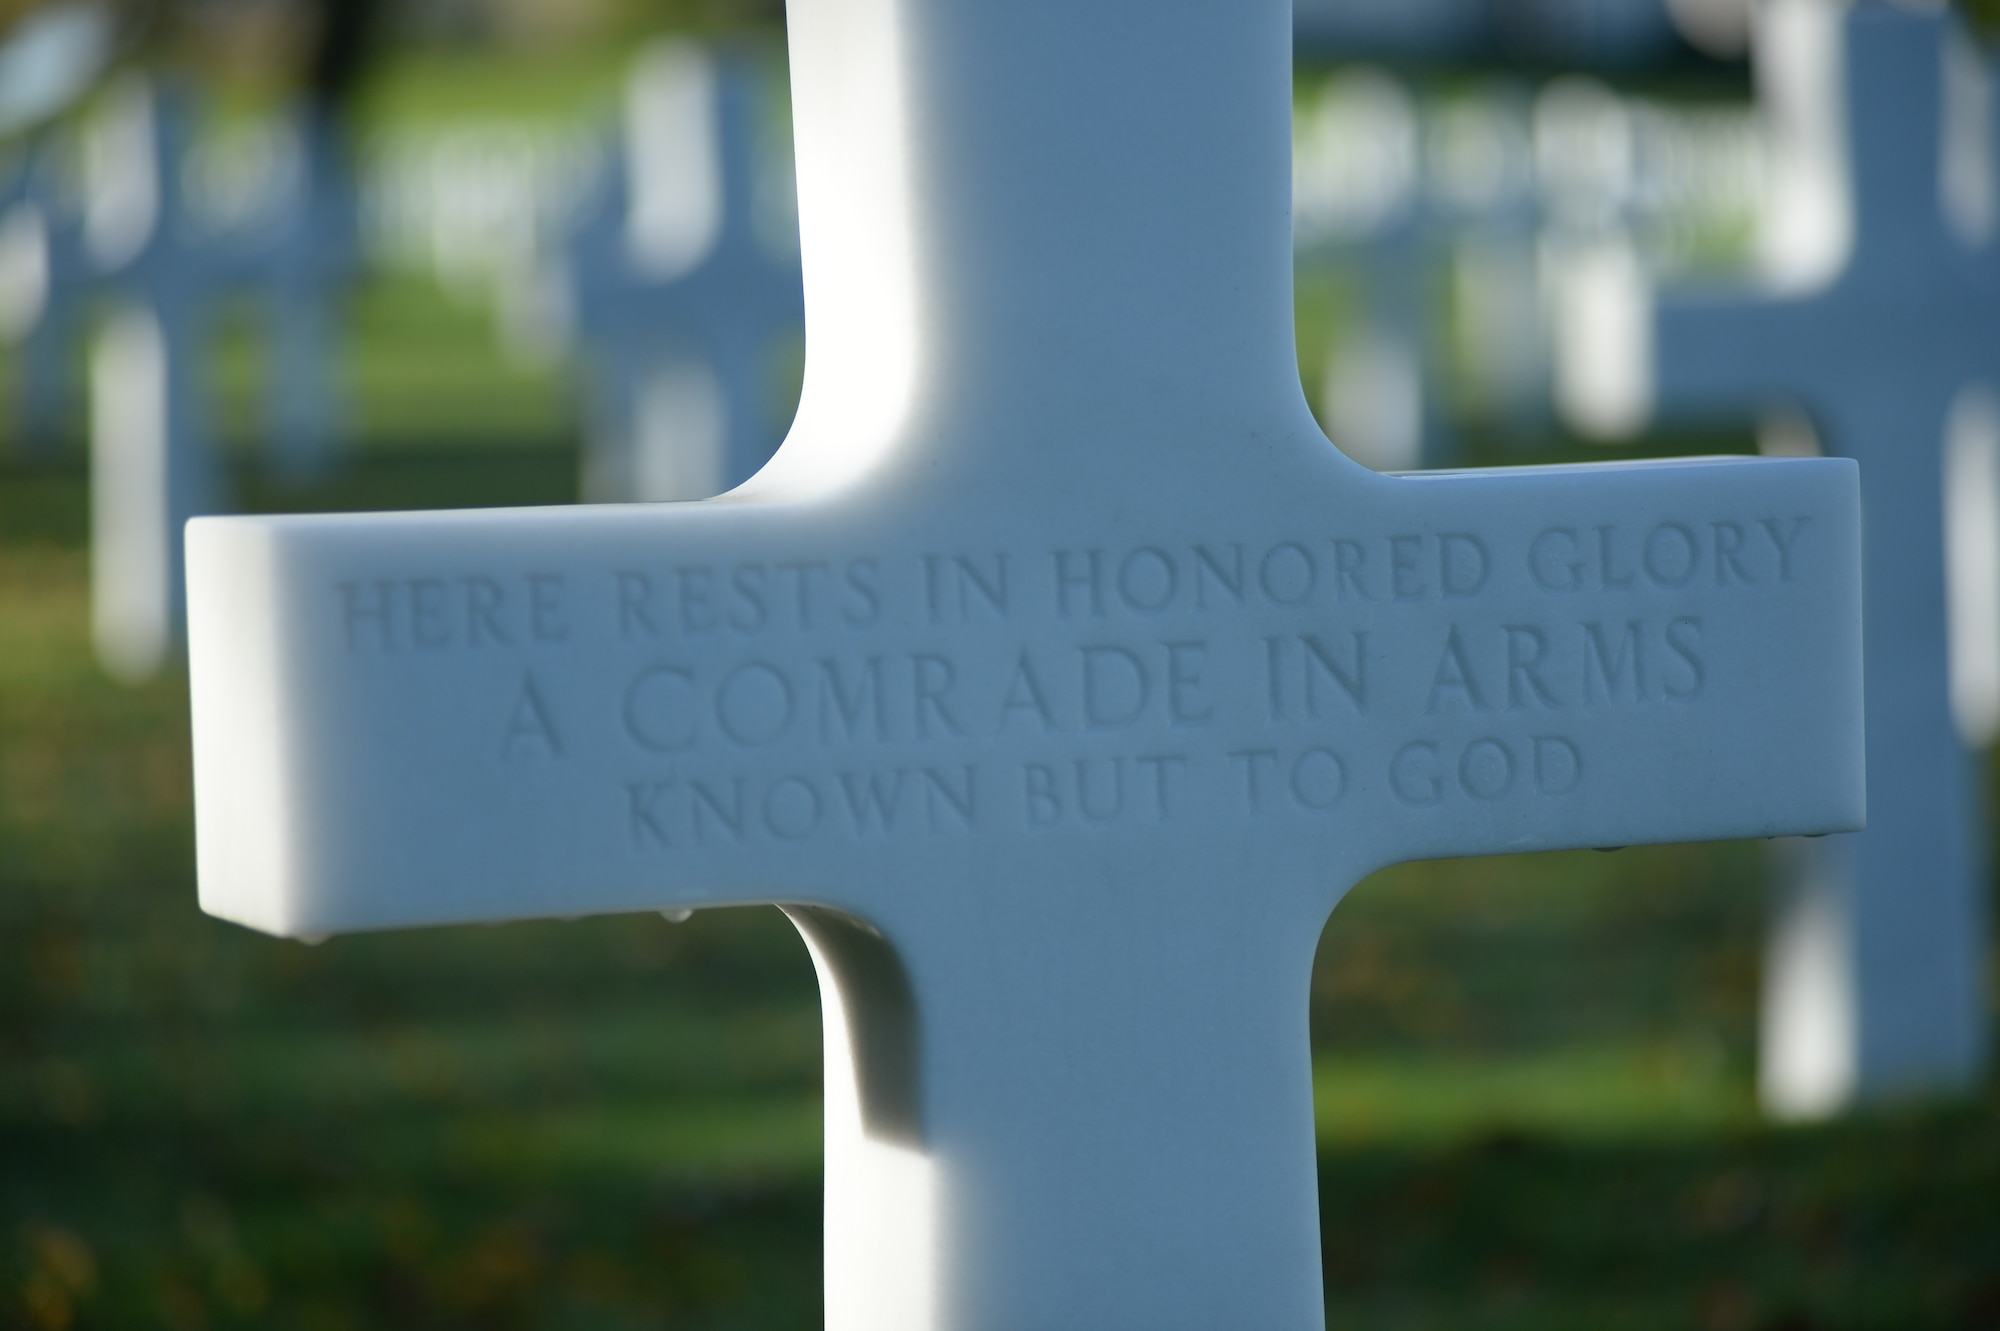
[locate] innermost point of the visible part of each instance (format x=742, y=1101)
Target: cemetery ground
x=1535, y=1075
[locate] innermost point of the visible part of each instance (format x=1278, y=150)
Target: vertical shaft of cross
x=151, y=465
x=1899, y=156
x=1101, y=1124
x=147, y=482
x=969, y=171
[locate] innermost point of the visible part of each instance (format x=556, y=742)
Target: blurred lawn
x=1534, y=1075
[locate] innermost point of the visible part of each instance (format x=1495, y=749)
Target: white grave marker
x=168, y=263
x=152, y=466
x=1057, y=677
x=678, y=298
x=1883, y=320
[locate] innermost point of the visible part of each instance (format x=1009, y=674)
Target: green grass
x=1644, y=1091
x=1534, y=1075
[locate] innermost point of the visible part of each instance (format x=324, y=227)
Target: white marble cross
x=1881, y=318
x=1057, y=677
x=153, y=463
x=680, y=300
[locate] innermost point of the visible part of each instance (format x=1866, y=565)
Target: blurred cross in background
x=681, y=286
x=1878, y=311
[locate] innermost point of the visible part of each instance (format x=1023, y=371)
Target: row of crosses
x=124, y=227
x=678, y=345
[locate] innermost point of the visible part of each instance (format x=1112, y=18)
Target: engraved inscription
x=1151, y=579
x=672, y=706
x=1101, y=791
x=1427, y=772
x=746, y=599
x=531, y=728
x=1529, y=667
x=1668, y=556
x=734, y=810
x=438, y=613
x=1329, y=677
